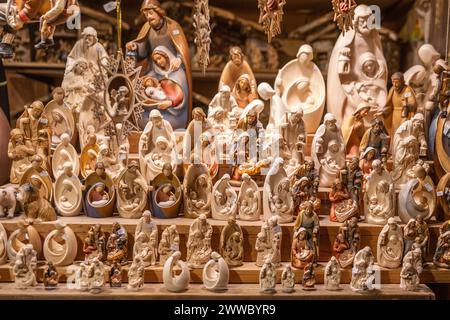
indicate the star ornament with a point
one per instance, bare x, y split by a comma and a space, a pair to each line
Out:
344, 11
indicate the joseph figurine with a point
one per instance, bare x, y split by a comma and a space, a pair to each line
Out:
160, 30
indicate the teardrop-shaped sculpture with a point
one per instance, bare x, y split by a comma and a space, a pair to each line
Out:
197, 188
167, 196
131, 192
443, 193
68, 193
100, 195
88, 159
65, 152
180, 282
224, 202
61, 122
443, 143
249, 200
60, 245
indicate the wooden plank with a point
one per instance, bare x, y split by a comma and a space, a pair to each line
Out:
248, 273
198, 292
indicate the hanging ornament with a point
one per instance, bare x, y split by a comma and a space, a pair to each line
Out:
344, 11
202, 32
270, 17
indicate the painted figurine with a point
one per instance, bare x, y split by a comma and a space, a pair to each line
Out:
34, 204
231, 243
301, 252
51, 276
166, 194
197, 189
94, 245
332, 275
441, 256
216, 273
115, 276
288, 279
307, 218
169, 243
340, 198
309, 277
347, 242
199, 242
376, 137
416, 235
267, 277
390, 245
117, 245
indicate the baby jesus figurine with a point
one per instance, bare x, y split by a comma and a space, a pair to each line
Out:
155, 92
99, 196
166, 196
249, 205
198, 203
120, 99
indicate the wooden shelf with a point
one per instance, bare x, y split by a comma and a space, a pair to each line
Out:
328, 231
198, 292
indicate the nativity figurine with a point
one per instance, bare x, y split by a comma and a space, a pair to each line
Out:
20, 151
332, 275
100, 193
117, 245
416, 235
199, 242
308, 219
197, 191
309, 277
390, 245
166, 194
25, 234
51, 276
267, 277
216, 274
288, 279
328, 150
301, 252
347, 242
224, 204
65, 152
68, 192
115, 276
231, 243
60, 245
25, 266
249, 199
131, 192
441, 257
173, 282
169, 243
94, 245
363, 273
136, 274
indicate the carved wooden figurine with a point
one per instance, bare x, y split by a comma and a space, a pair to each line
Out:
332, 275
117, 245
216, 273
65, 152
131, 192
390, 245
37, 172
267, 277
51, 276
166, 194
328, 150
172, 282
309, 277
34, 204
411, 270
342, 206
25, 267
268, 243
199, 242
197, 187
94, 245
347, 242
307, 218
441, 256
68, 192
20, 151
363, 272
25, 234
249, 200
224, 204
301, 252
115, 276
60, 245
416, 235
136, 274
231, 243
169, 243
99, 193
288, 279
8, 202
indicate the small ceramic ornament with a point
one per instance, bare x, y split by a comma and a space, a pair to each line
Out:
131, 192
308, 219
94, 245
180, 282
169, 243
25, 234
136, 274
328, 150
409, 144
418, 196
224, 204
277, 197
51, 276
409, 278
288, 279
332, 275
267, 277
99, 194
309, 277
390, 245
197, 189
363, 274
199, 242
8, 202
60, 245
115, 276
300, 84
166, 194
249, 200
68, 192
216, 273
231, 243
3, 245
301, 252
358, 70
347, 243
25, 267
20, 151
379, 198
117, 245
